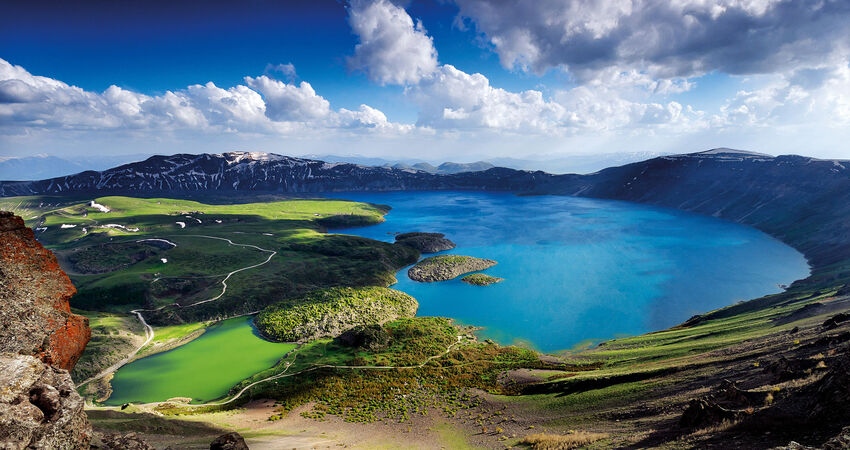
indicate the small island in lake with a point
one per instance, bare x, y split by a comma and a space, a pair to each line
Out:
425, 242
481, 279
447, 267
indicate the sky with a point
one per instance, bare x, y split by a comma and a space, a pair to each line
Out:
438, 79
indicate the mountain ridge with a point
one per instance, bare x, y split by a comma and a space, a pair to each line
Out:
797, 199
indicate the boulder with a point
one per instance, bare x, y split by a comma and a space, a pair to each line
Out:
703, 412
229, 441
39, 408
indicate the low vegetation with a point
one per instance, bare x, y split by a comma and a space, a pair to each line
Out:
447, 267
397, 389
329, 312
576, 439
481, 279
113, 336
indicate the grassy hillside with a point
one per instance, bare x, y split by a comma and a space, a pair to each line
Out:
150, 253
329, 312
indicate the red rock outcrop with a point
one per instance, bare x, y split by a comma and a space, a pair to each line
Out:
35, 316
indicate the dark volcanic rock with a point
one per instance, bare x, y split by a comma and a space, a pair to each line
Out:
836, 320
39, 407
425, 242
819, 406
229, 441
704, 412
35, 317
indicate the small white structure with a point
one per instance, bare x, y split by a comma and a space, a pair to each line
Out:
164, 260
99, 207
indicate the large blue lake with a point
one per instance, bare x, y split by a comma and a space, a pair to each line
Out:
581, 270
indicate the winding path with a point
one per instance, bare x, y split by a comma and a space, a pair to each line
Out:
149, 333
284, 374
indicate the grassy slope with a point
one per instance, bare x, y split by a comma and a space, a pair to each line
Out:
307, 258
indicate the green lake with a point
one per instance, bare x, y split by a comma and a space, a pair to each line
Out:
204, 369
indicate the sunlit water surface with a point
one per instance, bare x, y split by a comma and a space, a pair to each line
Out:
581, 270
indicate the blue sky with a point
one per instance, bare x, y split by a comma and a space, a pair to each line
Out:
460, 78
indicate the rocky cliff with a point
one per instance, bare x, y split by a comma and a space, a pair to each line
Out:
40, 340
35, 318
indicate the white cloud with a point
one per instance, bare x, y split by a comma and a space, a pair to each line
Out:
392, 49
820, 96
263, 105
665, 38
453, 99
288, 102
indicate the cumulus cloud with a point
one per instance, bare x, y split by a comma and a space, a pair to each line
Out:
262, 105
288, 102
666, 38
392, 49
453, 99
800, 98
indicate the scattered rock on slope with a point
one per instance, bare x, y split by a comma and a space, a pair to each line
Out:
229, 441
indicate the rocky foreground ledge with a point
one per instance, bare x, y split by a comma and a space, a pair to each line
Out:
40, 340
35, 317
447, 267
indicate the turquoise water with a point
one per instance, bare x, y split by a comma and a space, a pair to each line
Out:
578, 270
204, 369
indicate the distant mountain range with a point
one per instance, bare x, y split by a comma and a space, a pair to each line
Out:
254, 171
553, 164
801, 200
40, 167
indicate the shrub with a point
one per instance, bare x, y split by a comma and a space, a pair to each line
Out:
576, 439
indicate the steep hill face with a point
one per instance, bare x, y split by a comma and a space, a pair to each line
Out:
244, 171
802, 201
35, 317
